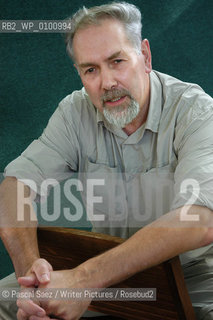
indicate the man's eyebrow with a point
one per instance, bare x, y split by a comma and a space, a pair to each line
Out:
114, 55
88, 64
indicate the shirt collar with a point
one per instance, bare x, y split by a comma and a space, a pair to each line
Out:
99, 117
155, 105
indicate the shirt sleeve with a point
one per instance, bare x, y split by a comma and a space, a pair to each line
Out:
193, 178
55, 154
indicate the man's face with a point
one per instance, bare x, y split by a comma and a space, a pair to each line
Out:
114, 75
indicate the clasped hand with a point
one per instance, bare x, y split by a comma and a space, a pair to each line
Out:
41, 276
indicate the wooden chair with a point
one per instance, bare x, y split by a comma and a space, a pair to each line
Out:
66, 248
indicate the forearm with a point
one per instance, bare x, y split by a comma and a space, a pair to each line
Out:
157, 242
20, 240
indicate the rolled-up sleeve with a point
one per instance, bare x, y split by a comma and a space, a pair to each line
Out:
193, 178
54, 155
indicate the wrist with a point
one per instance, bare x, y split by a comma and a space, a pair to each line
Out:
93, 272
21, 244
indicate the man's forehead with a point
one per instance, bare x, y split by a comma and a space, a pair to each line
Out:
100, 43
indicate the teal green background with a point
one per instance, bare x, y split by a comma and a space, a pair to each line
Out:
36, 73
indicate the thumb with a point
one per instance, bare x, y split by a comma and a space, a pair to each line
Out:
42, 270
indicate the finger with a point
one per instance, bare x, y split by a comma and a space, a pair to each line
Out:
21, 315
42, 269
27, 281
29, 307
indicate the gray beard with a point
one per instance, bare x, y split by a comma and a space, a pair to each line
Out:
122, 115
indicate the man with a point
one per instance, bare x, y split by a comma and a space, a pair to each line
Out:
130, 122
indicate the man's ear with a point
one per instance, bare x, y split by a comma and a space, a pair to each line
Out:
146, 52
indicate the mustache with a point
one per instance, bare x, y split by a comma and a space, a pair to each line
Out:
115, 93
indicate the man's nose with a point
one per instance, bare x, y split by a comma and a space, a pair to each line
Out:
108, 80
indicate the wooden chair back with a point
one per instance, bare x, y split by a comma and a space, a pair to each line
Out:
66, 248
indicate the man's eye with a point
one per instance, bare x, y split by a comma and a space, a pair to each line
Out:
90, 70
117, 61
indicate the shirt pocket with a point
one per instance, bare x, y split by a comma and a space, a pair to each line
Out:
104, 195
150, 195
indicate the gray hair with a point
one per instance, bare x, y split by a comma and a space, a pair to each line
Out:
126, 13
